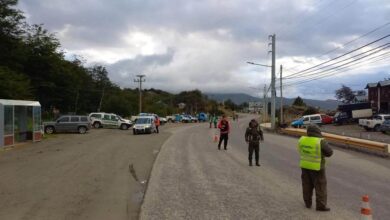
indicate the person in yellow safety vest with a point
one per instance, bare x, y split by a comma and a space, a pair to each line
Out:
313, 149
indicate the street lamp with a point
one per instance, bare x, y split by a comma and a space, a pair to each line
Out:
265, 101
257, 64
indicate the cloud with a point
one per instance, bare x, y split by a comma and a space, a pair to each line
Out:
205, 44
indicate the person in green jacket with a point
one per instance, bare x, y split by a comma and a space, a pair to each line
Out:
215, 120
313, 149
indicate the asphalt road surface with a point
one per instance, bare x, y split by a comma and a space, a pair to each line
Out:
191, 179
99, 175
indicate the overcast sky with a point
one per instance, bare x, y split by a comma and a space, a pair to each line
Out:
205, 44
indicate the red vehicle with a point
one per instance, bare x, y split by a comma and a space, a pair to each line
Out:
326, 119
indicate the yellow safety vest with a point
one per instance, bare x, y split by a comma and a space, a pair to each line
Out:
310, 151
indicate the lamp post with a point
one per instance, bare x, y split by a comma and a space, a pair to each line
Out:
265, 101
140, 80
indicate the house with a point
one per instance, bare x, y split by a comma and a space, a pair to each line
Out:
379, 96
255, 107
20, 121
360, 99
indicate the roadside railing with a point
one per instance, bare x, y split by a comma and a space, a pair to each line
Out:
348, 141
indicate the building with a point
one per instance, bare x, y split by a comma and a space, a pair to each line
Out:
255, 107
20, 121
379, 96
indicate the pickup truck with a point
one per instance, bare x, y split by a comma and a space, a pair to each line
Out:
374, 123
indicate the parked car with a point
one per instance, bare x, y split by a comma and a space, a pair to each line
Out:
326, 119
374, 123
193, 119
163, 120
68, 123
144, 124
185, 119
306, 120
109, 120
171, 118
385, 127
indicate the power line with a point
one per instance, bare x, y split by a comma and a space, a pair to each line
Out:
310, 68
349, 42
334, 72
329, 65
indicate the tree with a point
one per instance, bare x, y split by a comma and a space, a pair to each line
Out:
345, 94
14, 85
299, 102
310, 111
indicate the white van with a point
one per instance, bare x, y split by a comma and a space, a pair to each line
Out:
312, 119
144, 124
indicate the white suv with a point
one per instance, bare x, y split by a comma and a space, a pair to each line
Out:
108, 120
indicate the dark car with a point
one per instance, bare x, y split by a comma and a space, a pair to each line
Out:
68, 123
385, 127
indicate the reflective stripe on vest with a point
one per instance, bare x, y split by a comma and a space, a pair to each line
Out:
310, 151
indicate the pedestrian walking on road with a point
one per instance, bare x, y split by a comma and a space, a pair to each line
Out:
157, 123
215, 121
253, 136
211, 120
313, 149
224, 128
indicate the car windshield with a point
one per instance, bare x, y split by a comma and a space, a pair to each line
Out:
143, 121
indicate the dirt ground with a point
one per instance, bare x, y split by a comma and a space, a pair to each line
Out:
99, 175
356, 131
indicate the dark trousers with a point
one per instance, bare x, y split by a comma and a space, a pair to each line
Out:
254, 147
157, 129
224, 138
314, 180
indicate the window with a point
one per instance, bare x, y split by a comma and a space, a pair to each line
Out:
37, 118
305, 119
386, 117
106, 117
84, 119
96, 115
114, 118
377, 117
74, 119
64, 119
8, 120
315, 118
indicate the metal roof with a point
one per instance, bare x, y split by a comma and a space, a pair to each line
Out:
19, 102
384, 83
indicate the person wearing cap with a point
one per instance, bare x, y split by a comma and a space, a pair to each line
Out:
224, 128
253, 136
313, 149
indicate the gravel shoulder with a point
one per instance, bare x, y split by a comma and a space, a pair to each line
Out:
356, 131
100, 175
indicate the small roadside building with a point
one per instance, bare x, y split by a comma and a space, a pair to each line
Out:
20, 121
379, 96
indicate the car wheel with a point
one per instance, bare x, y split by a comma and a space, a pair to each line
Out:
366, 128
49, 130
96, 125
124, 127
376, 128
82, 130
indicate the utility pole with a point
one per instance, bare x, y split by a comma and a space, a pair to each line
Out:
265, 104
273, 90
281, 95
140, 80
101, 99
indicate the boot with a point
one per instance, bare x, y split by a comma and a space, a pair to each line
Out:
323, 209
250, 163
257, 163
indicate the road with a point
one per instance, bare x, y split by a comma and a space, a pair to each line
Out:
73, 176
191, 179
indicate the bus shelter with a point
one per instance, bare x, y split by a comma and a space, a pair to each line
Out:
20, 121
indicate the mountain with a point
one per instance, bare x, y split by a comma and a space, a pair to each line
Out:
240, 98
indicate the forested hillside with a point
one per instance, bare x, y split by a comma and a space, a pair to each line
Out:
33, 67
